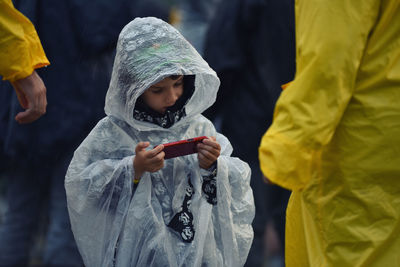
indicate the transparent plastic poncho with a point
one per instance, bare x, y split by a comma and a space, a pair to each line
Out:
116, 224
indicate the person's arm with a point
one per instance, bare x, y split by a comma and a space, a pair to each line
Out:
330, 37
21, 51
20, 54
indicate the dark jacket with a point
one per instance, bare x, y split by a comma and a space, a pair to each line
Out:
79, 38
250, 44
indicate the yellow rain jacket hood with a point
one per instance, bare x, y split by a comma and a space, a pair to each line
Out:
335, 139
20, 49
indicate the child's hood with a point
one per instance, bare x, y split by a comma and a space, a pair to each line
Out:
148, 51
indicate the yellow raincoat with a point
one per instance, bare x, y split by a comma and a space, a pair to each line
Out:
20, 49
335, 139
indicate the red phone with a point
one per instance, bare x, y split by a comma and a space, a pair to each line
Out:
182, 148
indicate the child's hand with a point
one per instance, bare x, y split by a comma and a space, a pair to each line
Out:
208, 152
147, 161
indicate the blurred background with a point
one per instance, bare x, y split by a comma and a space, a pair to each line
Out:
249, 43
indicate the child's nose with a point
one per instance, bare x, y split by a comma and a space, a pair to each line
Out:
172, 96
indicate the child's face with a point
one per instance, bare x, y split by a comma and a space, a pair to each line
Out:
163, 94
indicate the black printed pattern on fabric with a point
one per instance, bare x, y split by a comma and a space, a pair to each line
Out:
165, 121
182, 222
209, 186
142, 112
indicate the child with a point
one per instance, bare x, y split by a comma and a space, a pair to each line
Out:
131, 207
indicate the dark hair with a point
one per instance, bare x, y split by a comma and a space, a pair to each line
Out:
188, 89
175, 77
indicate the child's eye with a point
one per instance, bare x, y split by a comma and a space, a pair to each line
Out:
178, 84
156, 90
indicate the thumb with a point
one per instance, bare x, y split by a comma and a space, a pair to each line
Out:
141, 146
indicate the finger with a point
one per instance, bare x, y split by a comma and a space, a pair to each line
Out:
41, 102
141, 146
157, 165
209, 156
158, 157
212, 143
27, 116
204, 162
36, 107
155, 151
35, 93
21, 97
211, 149
206, 155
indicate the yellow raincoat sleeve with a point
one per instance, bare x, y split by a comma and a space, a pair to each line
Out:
20, 49
330, 40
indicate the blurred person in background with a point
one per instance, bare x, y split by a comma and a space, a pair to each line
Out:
251, 46
193, 20
335, 138
79, 38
